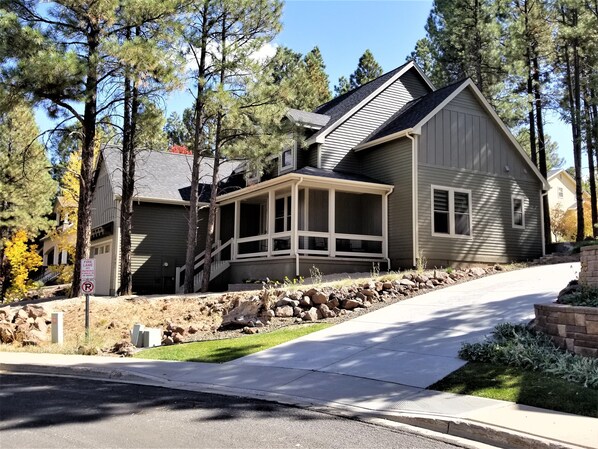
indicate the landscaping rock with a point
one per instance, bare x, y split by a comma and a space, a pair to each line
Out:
477, 271
305, 301
319, 298
350, 304
124, 348
286, 301
310, 315
7, 333
333, 303
34, 311
387, 286
407, 283
250, 330
167, 341
192, 329
284, 312
241, 315
177, 338
297, 311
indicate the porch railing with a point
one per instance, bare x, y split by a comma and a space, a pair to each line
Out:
218, 266
324, 244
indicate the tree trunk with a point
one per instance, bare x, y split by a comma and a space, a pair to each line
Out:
207, 266
131, 106
530, 93
197, 157
87, 178
541, 142
591, 168
577, 141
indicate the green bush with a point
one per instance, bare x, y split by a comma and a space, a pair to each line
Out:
516, 345
585, 296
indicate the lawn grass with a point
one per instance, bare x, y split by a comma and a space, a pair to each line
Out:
219, 351
521, 386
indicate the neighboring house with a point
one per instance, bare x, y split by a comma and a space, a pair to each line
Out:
391, 173
53, 244
562, 193
160, 217
562, 190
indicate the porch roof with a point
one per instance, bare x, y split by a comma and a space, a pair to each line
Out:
334, 178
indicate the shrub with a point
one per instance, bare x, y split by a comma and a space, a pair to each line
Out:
516, 345
586, 297
21, 260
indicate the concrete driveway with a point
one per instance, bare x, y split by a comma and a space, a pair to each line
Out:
415, 342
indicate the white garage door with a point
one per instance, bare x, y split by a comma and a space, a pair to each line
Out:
102, 255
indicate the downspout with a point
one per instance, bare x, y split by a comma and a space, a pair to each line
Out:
387, 229
296, 223
414, 190
542, 195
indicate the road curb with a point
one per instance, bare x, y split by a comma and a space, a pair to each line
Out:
455, 429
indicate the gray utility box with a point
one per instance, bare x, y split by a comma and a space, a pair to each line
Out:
152, 337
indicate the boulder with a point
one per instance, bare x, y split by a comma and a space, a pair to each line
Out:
34, 311
177, 338
242, 314
351, 304
379, 286
422, 279
250, 330
440, 275
124, 348
7, 333
305, 301
319, 298
311, 292
167, 341
387, 285
407, 283
284, 312
297, 311
286, 301
369, 293
310, 315
40, 325
477, 271
192, 329
333, 303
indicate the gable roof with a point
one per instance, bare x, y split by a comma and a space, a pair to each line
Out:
556, 171
344, 106
162, 176
456, 90
412, 113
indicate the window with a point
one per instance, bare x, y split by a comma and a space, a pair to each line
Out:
517, 211
560, 192
282, 214
287, 159
451, 212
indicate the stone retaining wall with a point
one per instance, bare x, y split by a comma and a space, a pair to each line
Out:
589, 266
570, 327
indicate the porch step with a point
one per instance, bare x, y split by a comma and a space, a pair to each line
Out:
217, 268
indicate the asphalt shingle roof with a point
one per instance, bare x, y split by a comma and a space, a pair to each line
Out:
161, 175
413, 112
331, 174
339, 106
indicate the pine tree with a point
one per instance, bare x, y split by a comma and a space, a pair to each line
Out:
26, 187
367, 70
342, 87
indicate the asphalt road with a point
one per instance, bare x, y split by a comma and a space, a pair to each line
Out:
60, 412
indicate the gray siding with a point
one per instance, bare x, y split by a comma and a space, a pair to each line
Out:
493, 237
160, 236
464, 136
103, 204
336, 151
313, 155
391, 163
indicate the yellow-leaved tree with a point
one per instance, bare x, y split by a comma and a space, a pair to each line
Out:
22, 259
563, 223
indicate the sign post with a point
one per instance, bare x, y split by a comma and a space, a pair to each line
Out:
88, 281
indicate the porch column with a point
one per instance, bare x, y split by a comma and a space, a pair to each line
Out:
271, 224
295, 219
385, 228
236, 230
331, 223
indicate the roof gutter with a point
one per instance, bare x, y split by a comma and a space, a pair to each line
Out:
414, 190
381, 140
148, 199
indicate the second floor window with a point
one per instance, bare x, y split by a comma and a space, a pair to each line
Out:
560, 193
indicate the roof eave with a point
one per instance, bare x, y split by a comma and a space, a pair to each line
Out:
381, 140
298, 176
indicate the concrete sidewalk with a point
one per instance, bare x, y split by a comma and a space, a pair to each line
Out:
375, 366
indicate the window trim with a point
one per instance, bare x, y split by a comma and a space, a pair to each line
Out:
513, 224
451, 203
284, 169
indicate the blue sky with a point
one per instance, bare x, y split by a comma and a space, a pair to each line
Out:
343, 30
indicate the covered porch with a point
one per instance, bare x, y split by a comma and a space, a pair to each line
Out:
303, 218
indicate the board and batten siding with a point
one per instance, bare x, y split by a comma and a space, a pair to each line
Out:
463, 147
103, 205
336, 150
391, 163
159, 236
463, 135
